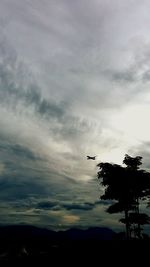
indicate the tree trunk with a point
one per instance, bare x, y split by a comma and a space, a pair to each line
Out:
139, 226
127, 225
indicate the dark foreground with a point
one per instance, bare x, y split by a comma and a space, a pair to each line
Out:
26, 244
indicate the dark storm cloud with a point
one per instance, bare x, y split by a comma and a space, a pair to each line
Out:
71, 206
80, 206
17, 151
103, 202
47, 205
67, 206
23, 176
30, 179
20, 175
12, 189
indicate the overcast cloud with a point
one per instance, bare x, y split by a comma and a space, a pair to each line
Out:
74, 80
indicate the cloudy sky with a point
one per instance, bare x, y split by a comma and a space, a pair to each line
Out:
74, 81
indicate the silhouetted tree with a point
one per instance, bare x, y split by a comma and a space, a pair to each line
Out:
140, 187
126, 186
136, 220
113, 177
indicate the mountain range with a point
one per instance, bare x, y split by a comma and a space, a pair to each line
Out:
23, 241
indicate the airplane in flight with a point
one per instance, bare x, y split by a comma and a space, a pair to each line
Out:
89, 157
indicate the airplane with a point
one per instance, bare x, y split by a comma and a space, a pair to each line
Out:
89, 157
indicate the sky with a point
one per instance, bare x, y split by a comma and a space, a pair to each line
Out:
74, 81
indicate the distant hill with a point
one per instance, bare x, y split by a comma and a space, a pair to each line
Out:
19, 241
96, 233
25, 232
